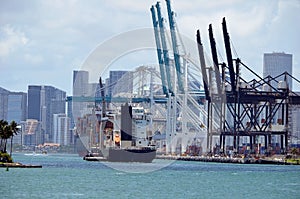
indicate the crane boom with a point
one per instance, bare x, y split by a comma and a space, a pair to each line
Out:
175, 46
229, 56
215, 58
203, 66
165, 48
159, 51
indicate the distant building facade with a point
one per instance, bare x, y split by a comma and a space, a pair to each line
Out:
17, 111
62, 134
31, 133
3, 103
276, 64
17, 107
13, 107
80, 89
119, 82
43, 102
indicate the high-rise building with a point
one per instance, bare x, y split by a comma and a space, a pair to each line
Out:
13, 107
3, 103
31, 131
80, 83
62, 134
17, 107
34, 102
118, 82
43, 102
274, 65
80, 89
17, 111
277, 63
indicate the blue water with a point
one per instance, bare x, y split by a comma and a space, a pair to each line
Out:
68, 176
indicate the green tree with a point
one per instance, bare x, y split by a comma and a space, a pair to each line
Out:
13, 131
4, 134
7, 131
294, 152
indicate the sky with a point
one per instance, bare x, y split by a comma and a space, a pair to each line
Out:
42, 42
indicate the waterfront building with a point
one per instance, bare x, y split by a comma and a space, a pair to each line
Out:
43, 102
32, 134
61, 132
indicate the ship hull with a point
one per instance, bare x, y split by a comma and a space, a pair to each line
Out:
145, 155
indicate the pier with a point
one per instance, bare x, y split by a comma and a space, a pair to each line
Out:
19, 165
235, 160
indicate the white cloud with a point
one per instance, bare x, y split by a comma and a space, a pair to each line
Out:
62, 33
33, 59
11, 39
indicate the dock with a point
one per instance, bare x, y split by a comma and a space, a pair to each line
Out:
235, 160
19, 165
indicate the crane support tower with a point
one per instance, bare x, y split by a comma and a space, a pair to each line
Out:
254, 114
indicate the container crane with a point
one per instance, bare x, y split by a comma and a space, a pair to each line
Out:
175, 47
165, 48
159, 52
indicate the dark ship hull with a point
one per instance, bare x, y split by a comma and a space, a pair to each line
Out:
145, 154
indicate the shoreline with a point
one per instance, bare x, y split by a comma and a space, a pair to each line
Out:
227, 160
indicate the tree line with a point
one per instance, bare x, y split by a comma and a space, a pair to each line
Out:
7, 131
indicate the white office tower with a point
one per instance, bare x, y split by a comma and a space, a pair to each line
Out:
277, 63
61, 130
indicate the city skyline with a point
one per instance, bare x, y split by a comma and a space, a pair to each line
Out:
44, 50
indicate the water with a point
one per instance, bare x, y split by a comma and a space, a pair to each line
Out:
68, 176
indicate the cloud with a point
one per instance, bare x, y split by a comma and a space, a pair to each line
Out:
33, 59
11, 40
63, 33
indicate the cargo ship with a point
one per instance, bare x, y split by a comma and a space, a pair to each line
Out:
122, 137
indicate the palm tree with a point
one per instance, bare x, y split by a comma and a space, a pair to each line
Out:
7, 135
14, 131
294, 152
3, 134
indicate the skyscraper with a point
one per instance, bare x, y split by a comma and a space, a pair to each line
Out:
119, 81
3, 103
13, 105
61, 132
80, 89
80, 83
17, 107
43, 102
276, 64
17, 111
